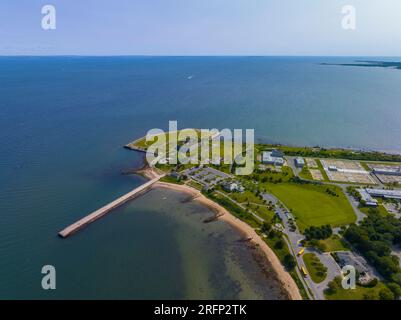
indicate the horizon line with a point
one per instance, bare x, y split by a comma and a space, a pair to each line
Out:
200, 55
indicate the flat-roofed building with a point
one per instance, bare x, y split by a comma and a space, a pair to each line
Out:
367, 198
386, 194
299, 162
232, 187
274, 157
396, 171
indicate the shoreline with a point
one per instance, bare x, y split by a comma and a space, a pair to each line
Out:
288, 284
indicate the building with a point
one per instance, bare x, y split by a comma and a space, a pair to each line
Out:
396, 171
348, 258
232, 187
277, 153
175, 175
367, 198
299, 162
332, 168
274, 157
386, 194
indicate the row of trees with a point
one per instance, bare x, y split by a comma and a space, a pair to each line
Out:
287, 260
341, 154
318, 233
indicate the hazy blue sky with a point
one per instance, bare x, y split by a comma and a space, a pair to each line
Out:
201, 27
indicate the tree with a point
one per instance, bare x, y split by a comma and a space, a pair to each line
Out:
332, 286
395, 289
289, 262
279, 244
272, 234
386, 294
265, 228
321, 246
370, 295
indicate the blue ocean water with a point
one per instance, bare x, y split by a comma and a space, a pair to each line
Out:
64, 120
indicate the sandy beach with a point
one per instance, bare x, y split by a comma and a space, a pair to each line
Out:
284, 277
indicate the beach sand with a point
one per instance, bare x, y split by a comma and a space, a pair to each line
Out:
283, 276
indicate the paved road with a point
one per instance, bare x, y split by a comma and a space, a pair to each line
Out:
294, 238
291, 164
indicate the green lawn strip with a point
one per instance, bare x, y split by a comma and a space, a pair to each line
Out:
195, 185
305, 174
336, 292
245, 197
320, 167
365, 166
313, 206
316, 269
171, 180
262, 211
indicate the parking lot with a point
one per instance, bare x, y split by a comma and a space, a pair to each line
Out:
207, 176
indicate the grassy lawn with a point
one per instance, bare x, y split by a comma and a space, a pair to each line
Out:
320, 167
271, 176
262, 211
313, 206
316, 269
171, 180
195, 185
359, 293
334, 243
246, 196
305, 174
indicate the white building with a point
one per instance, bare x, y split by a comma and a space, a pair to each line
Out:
232, 187
386, 194
299, 162
274, 157
396, 171
367, 198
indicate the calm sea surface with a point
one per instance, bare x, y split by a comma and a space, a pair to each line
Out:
63, 122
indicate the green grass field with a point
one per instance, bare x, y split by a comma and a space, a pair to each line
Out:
334, 243
317, 271
245, 197
262, 211
305, 174
359, 293
313, 206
